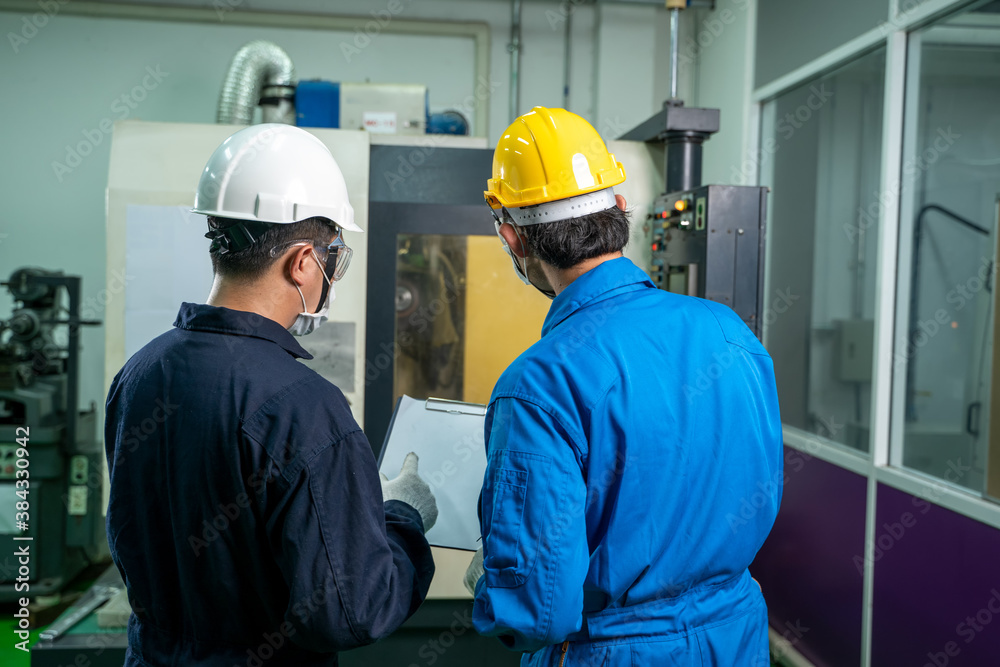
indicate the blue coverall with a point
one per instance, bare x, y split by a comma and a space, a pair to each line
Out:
246, 511
635, 468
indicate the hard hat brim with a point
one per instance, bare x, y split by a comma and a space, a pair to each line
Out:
348, 225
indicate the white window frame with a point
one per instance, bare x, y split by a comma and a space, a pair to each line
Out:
883, 464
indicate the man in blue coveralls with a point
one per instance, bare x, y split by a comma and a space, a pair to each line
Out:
246, 512
611, 509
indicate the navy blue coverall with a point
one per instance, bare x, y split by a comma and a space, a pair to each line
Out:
246, 511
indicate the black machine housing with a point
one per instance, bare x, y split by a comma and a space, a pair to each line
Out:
707, 241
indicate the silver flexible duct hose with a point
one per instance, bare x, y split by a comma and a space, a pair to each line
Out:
257, 64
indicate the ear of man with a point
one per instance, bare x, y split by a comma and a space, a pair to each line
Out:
300, 266
513, 240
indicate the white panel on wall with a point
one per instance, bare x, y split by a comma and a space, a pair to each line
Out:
167, 263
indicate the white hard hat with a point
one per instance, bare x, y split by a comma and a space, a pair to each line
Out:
274, 173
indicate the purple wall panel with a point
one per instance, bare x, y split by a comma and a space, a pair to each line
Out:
937, 586
806, 568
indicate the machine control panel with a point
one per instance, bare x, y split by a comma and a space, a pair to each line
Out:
709, 242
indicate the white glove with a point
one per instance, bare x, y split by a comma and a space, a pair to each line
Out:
474, 572
410, 489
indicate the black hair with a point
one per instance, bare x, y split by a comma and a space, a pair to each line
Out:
252, 262
566, 243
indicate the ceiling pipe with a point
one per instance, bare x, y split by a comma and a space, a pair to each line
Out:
567, 57
257, 65
515, 58
674, 37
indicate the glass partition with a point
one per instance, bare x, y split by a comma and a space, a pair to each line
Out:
948, 216
821, 152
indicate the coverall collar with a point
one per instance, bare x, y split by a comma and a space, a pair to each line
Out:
201, 317
615, 276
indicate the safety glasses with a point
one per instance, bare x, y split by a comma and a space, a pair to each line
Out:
335, 257
499, 214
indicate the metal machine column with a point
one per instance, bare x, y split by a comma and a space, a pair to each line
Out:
707, 241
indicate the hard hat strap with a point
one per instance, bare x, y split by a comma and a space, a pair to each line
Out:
237, 236
563, 209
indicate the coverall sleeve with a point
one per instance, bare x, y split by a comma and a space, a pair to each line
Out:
356, 568
535, 548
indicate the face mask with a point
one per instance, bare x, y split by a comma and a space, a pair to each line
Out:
529, 270
537, 277
305, 322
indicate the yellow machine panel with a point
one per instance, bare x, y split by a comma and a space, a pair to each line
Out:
503, 316
462, 315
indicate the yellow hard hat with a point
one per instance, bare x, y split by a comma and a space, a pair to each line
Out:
547, 155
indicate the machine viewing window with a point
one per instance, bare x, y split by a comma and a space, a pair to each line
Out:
946, 385
821, 151
462, 316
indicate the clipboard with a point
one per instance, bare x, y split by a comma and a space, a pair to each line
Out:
448, 436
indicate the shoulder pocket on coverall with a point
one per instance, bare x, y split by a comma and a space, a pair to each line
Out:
511, 547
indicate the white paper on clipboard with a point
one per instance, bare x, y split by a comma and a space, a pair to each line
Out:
449, 439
